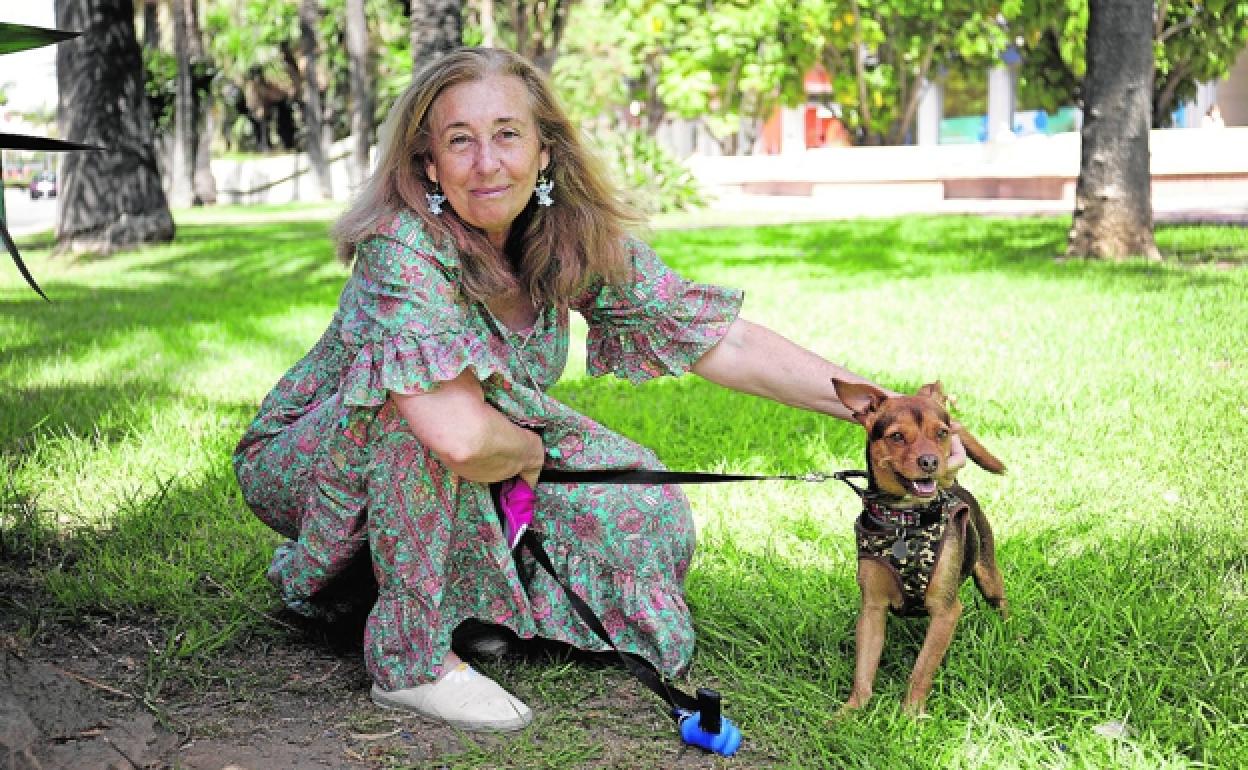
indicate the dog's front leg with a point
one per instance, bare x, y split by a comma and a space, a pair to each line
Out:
944, 621
878, 591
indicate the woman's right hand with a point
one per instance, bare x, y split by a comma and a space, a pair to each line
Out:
530, 477
533, 470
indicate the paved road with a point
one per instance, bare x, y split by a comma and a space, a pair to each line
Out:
25, 216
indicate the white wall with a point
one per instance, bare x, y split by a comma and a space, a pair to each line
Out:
280, 178
1233, 93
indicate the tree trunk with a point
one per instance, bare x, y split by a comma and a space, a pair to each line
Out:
204, 183
1113, 202
309, 17
911, 96
110, 199
151, 24
361, 91
860, 76
182, 162
539, 28
437, 27
1163, 100
489, 28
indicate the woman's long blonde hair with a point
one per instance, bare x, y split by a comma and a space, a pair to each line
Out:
564, 247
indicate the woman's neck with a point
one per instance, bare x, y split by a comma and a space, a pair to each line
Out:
515, 310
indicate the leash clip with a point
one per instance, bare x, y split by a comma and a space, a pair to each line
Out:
814, 477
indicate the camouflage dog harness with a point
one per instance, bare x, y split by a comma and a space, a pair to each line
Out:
908, 542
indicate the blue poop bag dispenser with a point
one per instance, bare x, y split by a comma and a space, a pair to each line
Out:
706, 728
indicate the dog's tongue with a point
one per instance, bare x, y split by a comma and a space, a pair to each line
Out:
925, 486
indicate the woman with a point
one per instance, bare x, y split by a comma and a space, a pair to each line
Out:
484, 223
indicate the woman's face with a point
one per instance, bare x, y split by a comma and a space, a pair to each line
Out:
486, 152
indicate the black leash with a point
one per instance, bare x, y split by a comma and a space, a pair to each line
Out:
638, 666
641, 476
699, 716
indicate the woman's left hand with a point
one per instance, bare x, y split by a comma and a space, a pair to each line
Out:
957, 454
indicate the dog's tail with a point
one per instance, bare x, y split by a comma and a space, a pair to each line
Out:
975, 450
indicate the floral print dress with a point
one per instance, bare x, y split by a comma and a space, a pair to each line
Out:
329, 462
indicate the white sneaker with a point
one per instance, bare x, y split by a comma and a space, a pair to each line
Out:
462, 698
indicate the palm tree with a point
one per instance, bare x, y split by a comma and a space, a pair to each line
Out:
313, 112
111, 198
362, 99
437, 27
182, 165
203, 73
14, 38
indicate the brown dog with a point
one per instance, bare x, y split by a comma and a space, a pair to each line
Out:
920, 533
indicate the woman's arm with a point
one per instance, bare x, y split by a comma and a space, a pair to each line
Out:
753, 359
468, 435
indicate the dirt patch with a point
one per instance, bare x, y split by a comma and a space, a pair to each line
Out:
91, 693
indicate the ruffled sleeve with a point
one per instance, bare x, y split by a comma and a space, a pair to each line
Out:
402, 317
656, 324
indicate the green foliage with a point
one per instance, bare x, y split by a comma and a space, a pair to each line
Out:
722, 63
246, 36
661, 183
254, 43
729, 64
878, 52
1196, 41
599, 60
736, 64
19, 37
14, 38
160, 83
391, 42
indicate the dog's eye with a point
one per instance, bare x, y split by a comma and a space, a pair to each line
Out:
942, 434
897, 437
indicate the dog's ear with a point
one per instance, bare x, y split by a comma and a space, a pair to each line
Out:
934, 391
859, 398
976, 451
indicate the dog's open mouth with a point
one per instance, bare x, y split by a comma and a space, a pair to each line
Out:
925, 487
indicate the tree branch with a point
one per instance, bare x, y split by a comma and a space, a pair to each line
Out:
1187, 23
864, 107
912, 101
1166, 99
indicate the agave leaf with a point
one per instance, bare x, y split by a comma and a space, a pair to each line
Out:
23, 142
17, 260
14, 38
19, 37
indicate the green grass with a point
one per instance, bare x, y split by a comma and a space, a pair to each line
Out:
1117, 394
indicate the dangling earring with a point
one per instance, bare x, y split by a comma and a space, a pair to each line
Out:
544, 187
435, 200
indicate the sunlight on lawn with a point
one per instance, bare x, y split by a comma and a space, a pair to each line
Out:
1116, 394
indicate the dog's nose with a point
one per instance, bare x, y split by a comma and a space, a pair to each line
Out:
929, 463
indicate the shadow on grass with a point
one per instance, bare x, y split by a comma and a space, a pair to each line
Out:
226, 285
1145, 625
906, 247
695, 425
1125, 629
877, 250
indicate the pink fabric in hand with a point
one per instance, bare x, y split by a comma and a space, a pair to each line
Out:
517, 501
